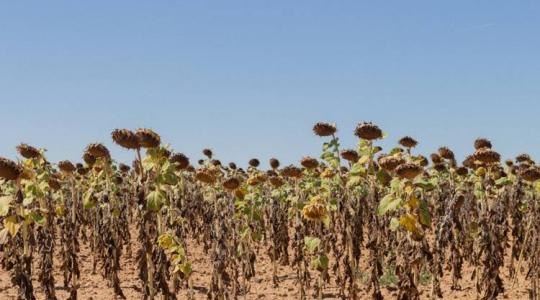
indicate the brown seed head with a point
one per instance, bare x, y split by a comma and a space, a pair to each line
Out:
324, 129
291, 171
274, 163
66, 166
28, 151
408, 142
98, 150
126, 138
9, 170
207, 152
148, 138
350, 155
446, 153
231, 183
368, 131
390, 162
408, 170
254, 162
180, 160
486, 155
480, 143
89, 159
309, 162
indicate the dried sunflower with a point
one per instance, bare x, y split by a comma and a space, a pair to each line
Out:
480, 143
28, 151
231, 183
148, 138
324, 129
446, 153
274, 163
98, 150
309, 163
487, 156
66, 166
180, 160
315, 209
390, 162
408, 170
368, 131
291, 171
530, 174
126, 138
350, 155
408, 142
254, 162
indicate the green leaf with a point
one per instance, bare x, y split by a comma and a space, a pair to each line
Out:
394, 224
320, 262
311, 243
4, 205
88, 199
503, 181
155, 200
425, 217
388, 203
424, 184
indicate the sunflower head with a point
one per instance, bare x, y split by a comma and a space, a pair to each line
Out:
350, 155
324, 129
180, 160
408, 142
368, 131
480, 143
126, 138
446, 153
309, 163
408, 170
486, 155
148, 138
98, 150
28, 151
9, 170
66, 166
231, 183
254, 162
274, 163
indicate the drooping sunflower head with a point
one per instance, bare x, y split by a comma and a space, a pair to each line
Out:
408, 170
28, 151
408, 142
324, 129
446, 153
148, 138
254, 162
274, 163
98, 150
66, 166
486, 155
309, 163
368, 131
350, 155
231, 183
480, 143
181, 160
126, 138
9, 170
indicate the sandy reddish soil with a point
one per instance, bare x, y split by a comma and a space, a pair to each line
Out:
93, 286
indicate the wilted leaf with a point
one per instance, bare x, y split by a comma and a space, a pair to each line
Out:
10, 223
408, 222
4, 205
388, 203
311, 243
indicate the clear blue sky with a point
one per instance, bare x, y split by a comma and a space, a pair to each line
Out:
249, 78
